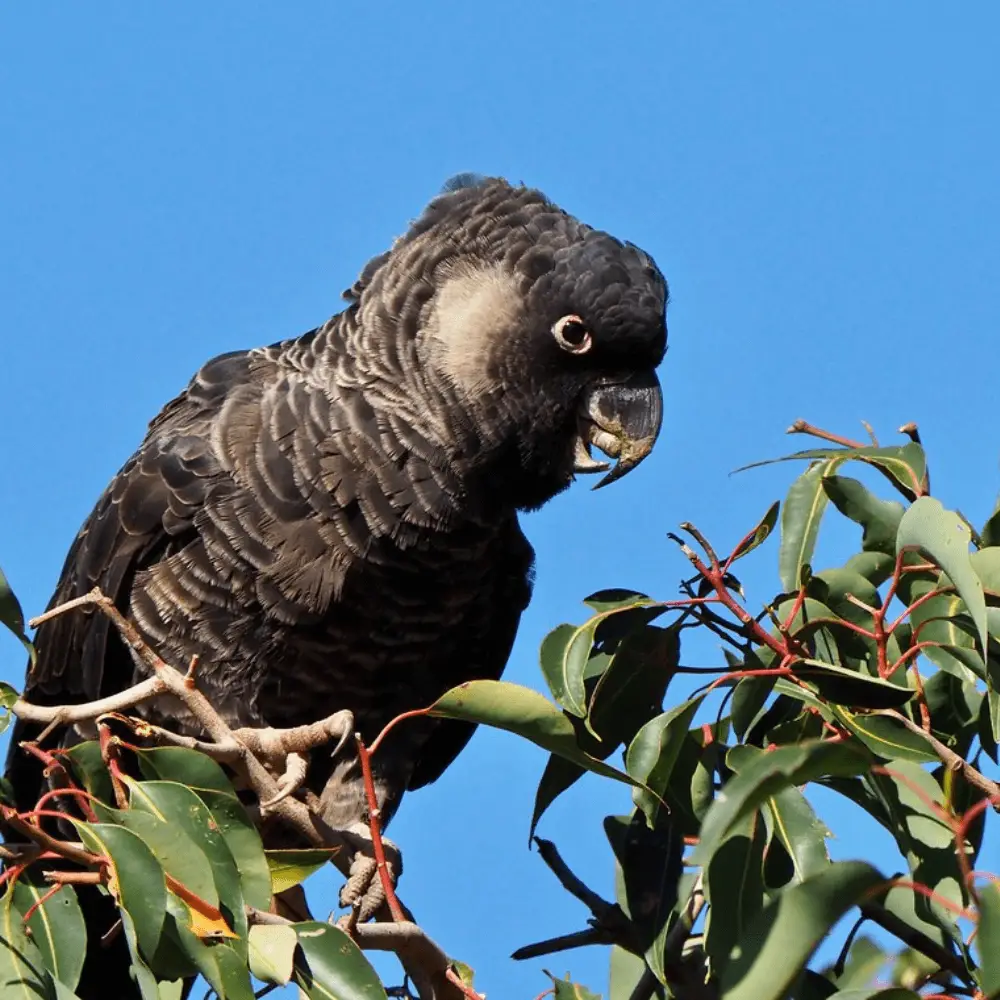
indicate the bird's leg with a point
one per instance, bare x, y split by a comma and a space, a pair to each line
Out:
363, 892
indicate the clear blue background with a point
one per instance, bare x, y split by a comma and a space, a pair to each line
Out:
818, 181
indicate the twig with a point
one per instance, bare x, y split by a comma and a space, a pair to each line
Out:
66, 715
597, 905
917, 940
647, 987
949, 758
680, 932
564, 942
608, 926
802, 427
64, 848
225, 752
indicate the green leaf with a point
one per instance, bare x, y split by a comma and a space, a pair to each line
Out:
180, 807
649, 877
990, 535
760, 533
172, 847
800, 831
944, 537
8, 699
222, 966
290, 867
904, 466
244, 844
734, 886
140, 886
143, 975
913, 804
566, 650
630, 690
626, 971
559, 775
875, 567
988, 728
207, 779
988, 940
615, 599
566, 989
771, 955
90, 769
849, 687
652, 754
936, 620
763, 775
272, 949
879, 518
800, 521
749, 698
188, 767
526, 713
864, 961
564, 655
12, 616
627, 693
57, 928
886, 737
22, 970
330, 966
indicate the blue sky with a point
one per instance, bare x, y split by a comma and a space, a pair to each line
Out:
818, 181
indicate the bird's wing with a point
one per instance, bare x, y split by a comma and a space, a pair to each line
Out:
486, 646
144, 515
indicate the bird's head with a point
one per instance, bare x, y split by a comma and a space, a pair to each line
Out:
543, 332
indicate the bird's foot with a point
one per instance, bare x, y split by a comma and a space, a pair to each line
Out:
364, 892
296, 766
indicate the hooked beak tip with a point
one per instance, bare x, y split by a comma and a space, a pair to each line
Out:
633, 452
623, 420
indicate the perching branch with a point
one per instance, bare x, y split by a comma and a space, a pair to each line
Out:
249, 752
424, 960
170, 680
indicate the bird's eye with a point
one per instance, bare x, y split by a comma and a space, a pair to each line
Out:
572, 335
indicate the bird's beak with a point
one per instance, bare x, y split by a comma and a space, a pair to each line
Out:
623, 420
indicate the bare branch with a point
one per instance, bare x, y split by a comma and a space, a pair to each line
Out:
597, 905
950, 759
425, 963
67, 715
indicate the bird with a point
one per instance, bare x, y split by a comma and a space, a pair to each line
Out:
332, 522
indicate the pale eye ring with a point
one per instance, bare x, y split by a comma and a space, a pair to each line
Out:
572, 335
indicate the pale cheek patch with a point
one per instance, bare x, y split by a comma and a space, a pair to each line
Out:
472, 316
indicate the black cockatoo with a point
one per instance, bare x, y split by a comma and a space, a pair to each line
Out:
331, 522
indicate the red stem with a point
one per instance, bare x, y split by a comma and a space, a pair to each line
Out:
376, 832
453, 977
109, 753
85, 798
389, 725
38, 902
